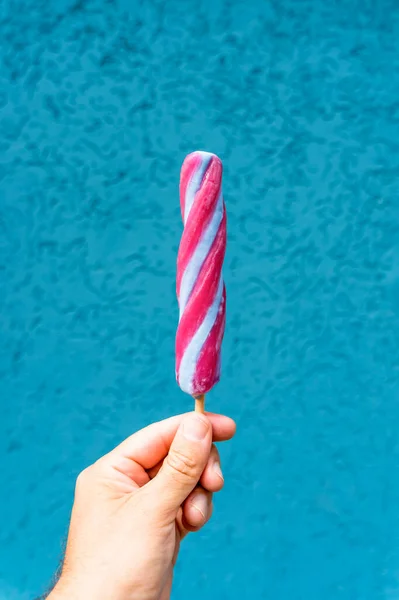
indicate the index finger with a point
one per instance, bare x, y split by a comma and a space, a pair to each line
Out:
150, 445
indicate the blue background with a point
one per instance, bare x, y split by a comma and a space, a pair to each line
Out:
99, 103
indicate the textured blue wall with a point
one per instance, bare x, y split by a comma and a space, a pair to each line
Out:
99, 103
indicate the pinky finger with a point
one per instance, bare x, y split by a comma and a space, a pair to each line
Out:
197, 509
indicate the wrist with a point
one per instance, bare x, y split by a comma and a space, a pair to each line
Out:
79, 590
67, 591
60, 592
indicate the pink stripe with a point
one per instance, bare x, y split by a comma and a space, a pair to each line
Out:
190, 164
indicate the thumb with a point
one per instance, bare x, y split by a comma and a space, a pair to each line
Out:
185, 462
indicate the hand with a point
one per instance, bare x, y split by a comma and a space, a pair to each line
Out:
134, 506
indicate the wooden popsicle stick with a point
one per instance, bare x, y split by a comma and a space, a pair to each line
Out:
200, 403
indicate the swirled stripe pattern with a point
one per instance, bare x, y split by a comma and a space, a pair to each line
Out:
200, 288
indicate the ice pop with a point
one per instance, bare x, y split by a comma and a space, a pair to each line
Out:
200, 288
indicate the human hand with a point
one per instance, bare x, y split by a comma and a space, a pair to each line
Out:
133, 507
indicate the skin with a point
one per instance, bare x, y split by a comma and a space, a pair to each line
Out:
134, 506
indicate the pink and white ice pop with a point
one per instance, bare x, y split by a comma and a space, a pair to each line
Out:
200, 288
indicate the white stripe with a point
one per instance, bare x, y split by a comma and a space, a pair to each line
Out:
195, 182
199, 255
190, 357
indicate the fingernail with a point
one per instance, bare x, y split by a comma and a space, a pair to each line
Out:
195, 428
200, 502
218, 470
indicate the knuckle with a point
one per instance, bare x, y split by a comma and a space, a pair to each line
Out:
214, 451
182, 464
